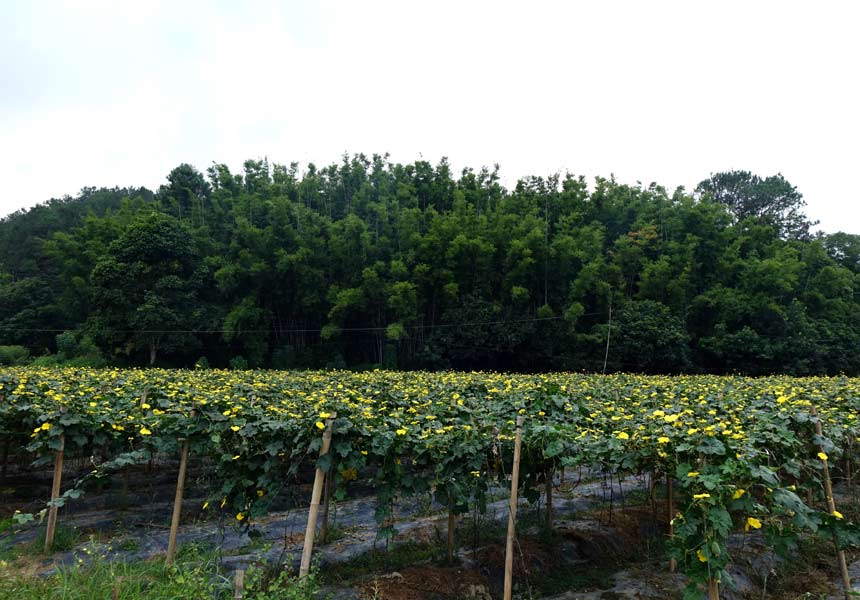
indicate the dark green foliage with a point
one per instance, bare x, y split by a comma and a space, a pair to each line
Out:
369, 263
13, 355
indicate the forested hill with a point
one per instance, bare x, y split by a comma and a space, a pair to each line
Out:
412, 266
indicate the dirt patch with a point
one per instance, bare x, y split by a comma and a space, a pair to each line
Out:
623, 539
530, 557
425, 583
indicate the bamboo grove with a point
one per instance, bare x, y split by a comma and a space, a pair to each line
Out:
413, 266
743, 454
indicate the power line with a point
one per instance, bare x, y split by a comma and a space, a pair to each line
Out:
287, 330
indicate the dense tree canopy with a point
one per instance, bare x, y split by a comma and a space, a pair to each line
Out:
368, 262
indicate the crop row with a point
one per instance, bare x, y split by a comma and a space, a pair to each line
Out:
741, 453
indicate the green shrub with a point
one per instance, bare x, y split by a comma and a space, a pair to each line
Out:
13, 355
283, 585
238, 363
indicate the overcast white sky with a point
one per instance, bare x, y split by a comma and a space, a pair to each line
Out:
104, 93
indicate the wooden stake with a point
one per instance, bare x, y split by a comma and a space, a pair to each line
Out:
319, 478
512, 512
177, 504
452, 523
713, 589
238, 584
55, 493
670, 510
177, 500
329, 482
831, 506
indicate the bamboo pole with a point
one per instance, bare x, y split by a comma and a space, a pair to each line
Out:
831, 506
55, 493
177, 504
670, 514
329, 482
713, 589
512, 512
452, 522
319, 478
239, 584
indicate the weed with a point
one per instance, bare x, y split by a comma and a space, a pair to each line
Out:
194, 576
374, 561
282, 585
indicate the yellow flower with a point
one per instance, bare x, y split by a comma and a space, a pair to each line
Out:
701, 556
235, 428
364, 452
752, 522
693, 474
738, 493
475, 473
324, 415
205, 505
320, 425
701, 496
662, 440
671, 418
822, 456
400, 431
623, 436
541, 413
45, 426
658, 413
692, 431
838, 514
240, 517
145, 406
145, 431
260, 493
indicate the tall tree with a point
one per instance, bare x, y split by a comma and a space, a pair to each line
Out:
145, 290
771, 200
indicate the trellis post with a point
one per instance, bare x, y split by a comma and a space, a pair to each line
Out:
831, 505
512, 512
55, 493
319, 479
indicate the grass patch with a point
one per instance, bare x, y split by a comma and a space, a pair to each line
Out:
580, 578
377, 561
6, 525
65, 538
810, 569
128, 544
334, 534
194, 575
